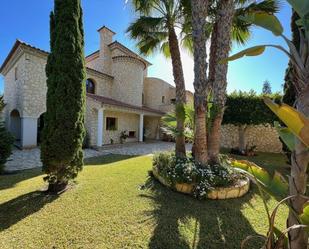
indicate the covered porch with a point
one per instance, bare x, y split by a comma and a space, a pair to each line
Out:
107, 118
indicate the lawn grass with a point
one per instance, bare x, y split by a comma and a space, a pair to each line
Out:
106, 209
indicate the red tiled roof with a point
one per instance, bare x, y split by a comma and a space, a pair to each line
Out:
114, 102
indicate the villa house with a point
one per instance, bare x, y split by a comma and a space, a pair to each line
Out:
120, 96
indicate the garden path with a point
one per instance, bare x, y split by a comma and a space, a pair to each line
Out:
28, 159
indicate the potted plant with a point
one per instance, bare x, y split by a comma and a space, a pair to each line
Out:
123, 136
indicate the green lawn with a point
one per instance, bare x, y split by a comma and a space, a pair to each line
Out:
106, 209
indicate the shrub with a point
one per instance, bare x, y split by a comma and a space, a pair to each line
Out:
6, 142
248, 108
186, 170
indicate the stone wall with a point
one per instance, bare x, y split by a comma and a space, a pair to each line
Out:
103, 84
154, 90
35, 87
152, 127
264, 137
13, 95
128, 81
125, 122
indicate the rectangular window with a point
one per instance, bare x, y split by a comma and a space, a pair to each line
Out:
131, 134
111, 124
173, 101
16, 73
163, 99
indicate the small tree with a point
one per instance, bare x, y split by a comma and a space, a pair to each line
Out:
63, 133
266, 88
6, 140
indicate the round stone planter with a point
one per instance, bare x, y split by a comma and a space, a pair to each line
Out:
236, 191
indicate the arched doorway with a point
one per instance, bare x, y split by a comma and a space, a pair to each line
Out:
40, 128
15, 124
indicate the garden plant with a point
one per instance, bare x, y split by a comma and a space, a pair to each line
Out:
299, 59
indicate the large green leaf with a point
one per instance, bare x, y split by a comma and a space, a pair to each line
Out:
300, 6
266, 21
274, 184
253, 51
286, 135
304, 217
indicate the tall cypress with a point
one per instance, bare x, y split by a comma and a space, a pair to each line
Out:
63, 133
289, 92
289, 89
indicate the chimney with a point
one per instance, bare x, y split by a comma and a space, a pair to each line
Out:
106, 38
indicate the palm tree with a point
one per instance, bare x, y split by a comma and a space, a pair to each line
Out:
199, 38
227, 27
155, 28
169, 123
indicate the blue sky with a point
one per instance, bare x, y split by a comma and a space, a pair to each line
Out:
30, 23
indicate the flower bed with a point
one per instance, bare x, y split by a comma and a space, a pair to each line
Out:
188, 177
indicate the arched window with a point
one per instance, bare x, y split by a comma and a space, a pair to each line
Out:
90, 86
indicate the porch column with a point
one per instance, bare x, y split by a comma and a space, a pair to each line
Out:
100, 127
29, 130
141, 127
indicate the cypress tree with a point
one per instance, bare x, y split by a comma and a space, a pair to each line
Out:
289, 89
289, 95
63, 133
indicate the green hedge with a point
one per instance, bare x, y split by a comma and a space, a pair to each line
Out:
248, 108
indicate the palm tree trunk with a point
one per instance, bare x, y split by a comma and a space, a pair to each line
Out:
199, 13
220, 48
214, 138
298, 239
180, 91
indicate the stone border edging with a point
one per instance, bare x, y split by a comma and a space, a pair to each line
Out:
239, 190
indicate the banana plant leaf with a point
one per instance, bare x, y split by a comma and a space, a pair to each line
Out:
286, 135
300, 6
253, 51
274, 184
304, 217
266, 21
297, 123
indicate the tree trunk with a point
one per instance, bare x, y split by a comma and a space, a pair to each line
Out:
199, 13
200, 137
214, 140
220, 48
242, 137
298, 239
180, 92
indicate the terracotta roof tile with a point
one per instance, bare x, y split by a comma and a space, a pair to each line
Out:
109, 101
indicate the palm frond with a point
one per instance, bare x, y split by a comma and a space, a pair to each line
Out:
266, 6
241, 29
150, 32
144, 6
165, 49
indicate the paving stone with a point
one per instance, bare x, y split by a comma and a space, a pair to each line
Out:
28, 159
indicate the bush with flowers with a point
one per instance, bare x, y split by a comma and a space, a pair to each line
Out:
185, 170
